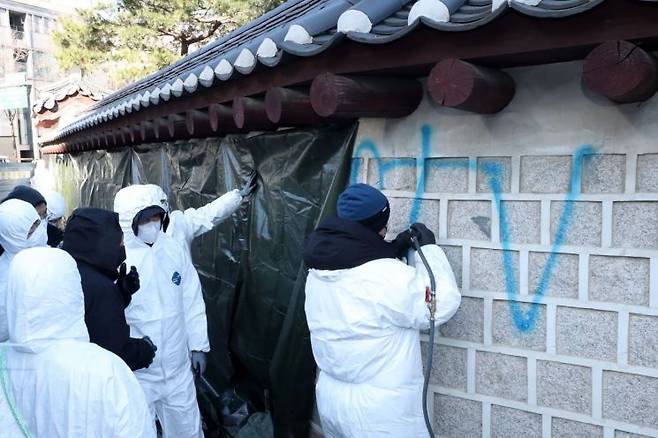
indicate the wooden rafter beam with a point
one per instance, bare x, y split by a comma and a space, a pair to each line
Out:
290, 107
344, 97
249, 114
458, 84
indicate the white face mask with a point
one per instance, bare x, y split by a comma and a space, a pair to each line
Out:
149, 232
40, 236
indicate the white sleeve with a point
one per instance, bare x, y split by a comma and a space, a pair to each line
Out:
409, 309
448, 296
194, 308
203, 219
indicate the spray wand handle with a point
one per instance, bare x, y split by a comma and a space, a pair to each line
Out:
431, 302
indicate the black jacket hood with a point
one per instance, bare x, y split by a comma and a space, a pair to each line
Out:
93, 236
27, 194
342, 244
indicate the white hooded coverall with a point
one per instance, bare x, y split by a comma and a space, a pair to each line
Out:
168, 308
54, 382
16, 219
364, 325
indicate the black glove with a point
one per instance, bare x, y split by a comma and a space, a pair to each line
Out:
128, 283
55, 235
250, 187
153, 349
402, 243
424, 235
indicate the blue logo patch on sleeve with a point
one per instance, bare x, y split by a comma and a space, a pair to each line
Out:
176, 278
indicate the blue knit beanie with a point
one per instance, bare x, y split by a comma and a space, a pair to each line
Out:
364, 204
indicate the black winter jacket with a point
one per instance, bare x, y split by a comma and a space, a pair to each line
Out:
94, 239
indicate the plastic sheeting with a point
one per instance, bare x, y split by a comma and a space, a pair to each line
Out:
250, 266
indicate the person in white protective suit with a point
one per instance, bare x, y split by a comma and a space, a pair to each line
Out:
365, 308
18, 223
55, 383
168, 307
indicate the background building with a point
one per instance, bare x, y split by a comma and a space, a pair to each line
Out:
27, 63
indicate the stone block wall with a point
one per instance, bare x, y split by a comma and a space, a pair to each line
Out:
548, 213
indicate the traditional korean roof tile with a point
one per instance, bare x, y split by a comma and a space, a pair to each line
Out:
47, 98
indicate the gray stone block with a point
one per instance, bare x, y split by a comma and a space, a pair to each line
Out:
563, 278
468, 322
457, 417
506, 332
564, 386
523, 220
562, 428
448, 365
622, 434
643, 341
501, 375
630, 398
454, 256
508, 422
587, 333
446, 175
488, 267
401, 212
399, 174
619, 279
545, 174
604, 173
584, 225
634, 224
494, 173
647, 173
469, 220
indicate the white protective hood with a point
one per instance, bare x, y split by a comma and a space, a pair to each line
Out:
56, 204
16, 219
131, 200
44, 304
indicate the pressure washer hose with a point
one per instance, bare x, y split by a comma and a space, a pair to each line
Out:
430, 350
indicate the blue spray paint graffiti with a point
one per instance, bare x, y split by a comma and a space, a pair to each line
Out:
524, 321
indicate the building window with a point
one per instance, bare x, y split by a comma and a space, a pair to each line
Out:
17, 24
17, 21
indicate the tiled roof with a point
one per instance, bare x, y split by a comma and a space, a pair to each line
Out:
47, 98
305, 28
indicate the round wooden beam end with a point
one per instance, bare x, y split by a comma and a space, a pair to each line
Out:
621, 71
324, 94
458, 84
274, 104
